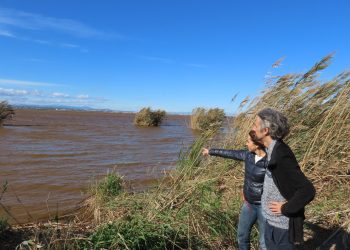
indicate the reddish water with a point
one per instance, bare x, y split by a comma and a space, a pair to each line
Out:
49, 157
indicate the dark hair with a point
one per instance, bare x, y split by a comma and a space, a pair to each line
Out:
255, 139
275, 121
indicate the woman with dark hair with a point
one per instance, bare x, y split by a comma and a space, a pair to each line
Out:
255, 167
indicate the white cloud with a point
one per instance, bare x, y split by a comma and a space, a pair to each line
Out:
19, 92
13, 92
26, 83
6, 33
73, 46
9, 34
36, 93
83, 96
20, 96
38, 41
13, 21
56, 94
44, 42
32, 21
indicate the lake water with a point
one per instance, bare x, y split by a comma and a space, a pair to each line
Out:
48, 157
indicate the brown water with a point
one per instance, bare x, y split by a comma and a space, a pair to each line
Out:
50, 157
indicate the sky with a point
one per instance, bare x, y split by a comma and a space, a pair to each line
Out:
171, 55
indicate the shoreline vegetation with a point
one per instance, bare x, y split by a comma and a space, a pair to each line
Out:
149, 118
196, 205
6, 111
207, 119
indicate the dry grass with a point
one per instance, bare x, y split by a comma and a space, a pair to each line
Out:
6, 111
148, 118
207, 119
319, 114
196, 206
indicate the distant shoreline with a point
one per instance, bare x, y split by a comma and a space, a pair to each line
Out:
84, 109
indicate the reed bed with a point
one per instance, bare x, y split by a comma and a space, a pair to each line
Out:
207, 119
196, 206
6, 111
149, 118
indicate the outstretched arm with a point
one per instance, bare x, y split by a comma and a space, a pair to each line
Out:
226, 153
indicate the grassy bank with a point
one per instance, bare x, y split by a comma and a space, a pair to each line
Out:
197, 205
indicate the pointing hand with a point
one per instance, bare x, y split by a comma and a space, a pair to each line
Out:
205, 152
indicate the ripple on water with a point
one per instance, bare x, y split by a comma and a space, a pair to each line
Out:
51, 156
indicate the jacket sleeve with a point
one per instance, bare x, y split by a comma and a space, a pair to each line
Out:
231, 154
304, 191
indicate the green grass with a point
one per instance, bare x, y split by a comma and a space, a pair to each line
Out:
108, 187
138, 232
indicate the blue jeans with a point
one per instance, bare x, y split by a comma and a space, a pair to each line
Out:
250, 213
277, 238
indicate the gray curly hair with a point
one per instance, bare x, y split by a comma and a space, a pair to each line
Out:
276, 122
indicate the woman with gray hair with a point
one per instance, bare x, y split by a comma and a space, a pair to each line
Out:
286, 189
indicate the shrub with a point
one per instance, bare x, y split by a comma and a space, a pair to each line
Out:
146, 117
110, 186
140, 233
6, 111
211, 119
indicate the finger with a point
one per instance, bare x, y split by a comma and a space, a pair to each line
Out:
274, 210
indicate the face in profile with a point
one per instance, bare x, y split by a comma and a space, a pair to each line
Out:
257, 128
251, 145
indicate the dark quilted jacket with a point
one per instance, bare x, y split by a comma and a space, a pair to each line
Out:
253, 175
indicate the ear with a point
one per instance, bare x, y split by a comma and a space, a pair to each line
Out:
266, 131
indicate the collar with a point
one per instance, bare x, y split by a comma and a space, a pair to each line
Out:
269, 149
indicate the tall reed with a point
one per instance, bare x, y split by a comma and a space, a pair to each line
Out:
196, 206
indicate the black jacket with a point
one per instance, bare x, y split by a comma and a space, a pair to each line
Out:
293, 186
254, 173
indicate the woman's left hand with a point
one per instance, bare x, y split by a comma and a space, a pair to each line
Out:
276, 207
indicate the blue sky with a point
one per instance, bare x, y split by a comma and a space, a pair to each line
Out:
173, 55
